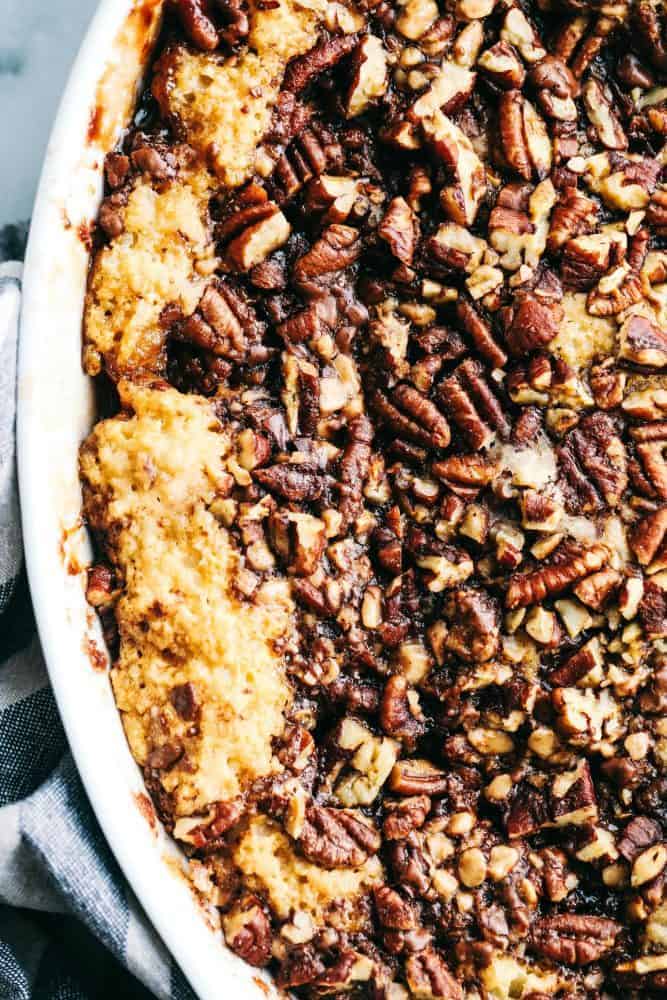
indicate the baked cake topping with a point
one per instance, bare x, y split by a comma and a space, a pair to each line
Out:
378, 310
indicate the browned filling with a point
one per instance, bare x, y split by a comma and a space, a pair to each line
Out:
384, 385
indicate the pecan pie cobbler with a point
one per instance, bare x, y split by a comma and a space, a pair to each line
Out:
378, 315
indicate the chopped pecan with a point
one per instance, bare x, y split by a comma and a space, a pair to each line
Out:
236, 24
528, 812
320, 317
197, 25
530, 324
474, 632
428, 976
519, 32
337, 248
558, 879
165, 756
150, 160
111, 215
573, 564
575, 938
259, 239
607, 385
647, 22
400, 715
643, 342
393, 910
417, 777
595, 590
594, 463
100, 585
528, 425
185, 700
337, 838
354, 466
640, 833
573, 215
302, 70
248, 931
648, 535
299, 539
370, 75
555, 87
623, 181
501, 63
116, 169
651, 442
599, 108
399, 230
294, 482
302, 965
585, 260
405, 815
656, 213
461, 199
454, 247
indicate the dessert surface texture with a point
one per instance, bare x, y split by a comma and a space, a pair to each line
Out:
377, 315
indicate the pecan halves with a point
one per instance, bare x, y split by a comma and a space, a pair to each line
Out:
418, 418
302, 70
532, 588
650, 446
481, 334
472, 405
424, 413
525, 142
337, 838
602, 115
575, 938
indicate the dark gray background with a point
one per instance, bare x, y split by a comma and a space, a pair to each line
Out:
38, 41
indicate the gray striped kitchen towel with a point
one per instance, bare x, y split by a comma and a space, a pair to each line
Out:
70, 927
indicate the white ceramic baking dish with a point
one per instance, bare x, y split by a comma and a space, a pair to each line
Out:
56, 411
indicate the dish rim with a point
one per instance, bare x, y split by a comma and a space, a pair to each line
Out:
55, 543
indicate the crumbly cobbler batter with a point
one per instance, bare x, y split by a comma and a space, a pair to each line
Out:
378, 313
